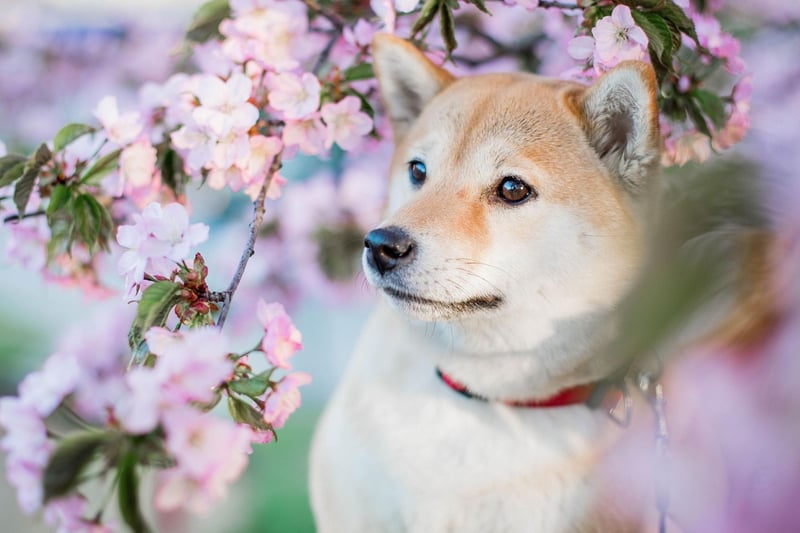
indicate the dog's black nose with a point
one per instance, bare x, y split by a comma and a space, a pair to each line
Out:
389, 248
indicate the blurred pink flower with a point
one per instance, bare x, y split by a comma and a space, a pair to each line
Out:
120, 129
345, 123
718, 42
44, 390
27, 243
224, 106
191, 364
618, 38
308, 135
294, 96
137, 165
66, 514
282, 339
284, 399
139, 409
581, 48
211, 453
27, 450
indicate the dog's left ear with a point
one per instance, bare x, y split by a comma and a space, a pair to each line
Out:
620, 116
408, 80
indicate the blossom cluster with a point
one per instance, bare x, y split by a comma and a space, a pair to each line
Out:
158, 412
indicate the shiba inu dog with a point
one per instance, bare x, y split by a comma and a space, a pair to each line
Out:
517, 220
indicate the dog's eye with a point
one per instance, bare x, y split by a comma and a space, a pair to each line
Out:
513, 190
417, 173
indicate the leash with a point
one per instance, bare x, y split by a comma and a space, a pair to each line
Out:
613, 396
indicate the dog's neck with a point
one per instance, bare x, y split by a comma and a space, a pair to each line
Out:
503, 356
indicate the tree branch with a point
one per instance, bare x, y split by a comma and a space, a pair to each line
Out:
258, 217
17, 218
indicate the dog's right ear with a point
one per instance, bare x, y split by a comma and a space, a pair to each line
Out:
407, 79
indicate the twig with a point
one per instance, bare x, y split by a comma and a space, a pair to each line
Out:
249, 250
17, 218
323, 56
558, 5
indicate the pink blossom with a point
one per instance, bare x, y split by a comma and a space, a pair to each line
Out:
718, 42
282, 338
308, 135
295, 96
158, 238
211, 453
275, 188
193, 364
66, 514
197, 143
345, 123
284, 399
618, 38
27, 448
27, 243
45, 389
140, 408
581, 48
275, 34
224, 105
120, 129
137, 164
360, 35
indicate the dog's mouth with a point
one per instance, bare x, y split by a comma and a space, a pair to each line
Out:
471, 305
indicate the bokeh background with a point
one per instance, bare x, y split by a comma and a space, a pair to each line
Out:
58, 58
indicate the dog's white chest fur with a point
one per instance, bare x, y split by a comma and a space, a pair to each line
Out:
399, 451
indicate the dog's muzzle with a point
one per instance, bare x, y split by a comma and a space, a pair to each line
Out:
389, 248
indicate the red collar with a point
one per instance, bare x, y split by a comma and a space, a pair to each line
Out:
577, 395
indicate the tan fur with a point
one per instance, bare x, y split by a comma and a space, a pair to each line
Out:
397, 450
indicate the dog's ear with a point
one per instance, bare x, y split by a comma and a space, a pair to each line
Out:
407, 79
620, 116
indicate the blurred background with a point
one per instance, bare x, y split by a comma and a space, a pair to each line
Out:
58, 58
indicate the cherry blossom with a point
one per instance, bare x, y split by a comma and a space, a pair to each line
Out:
308, 135
284, 399
159, 237
224, 105
137, 166
345, 123
618, 38
43, 390
282, 338
211, 454
121, 129
294, 96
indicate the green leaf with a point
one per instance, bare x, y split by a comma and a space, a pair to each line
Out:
429, 9
59, 197
70, 458
245, 414
696, 116
362, 71
101, 167
253, 387
207, 18
128, 494
70, 133
41, 157
157, 301
24, 188
447, 25
480, 5
658, 34
87, 221
711, 105
171, 165
11, 168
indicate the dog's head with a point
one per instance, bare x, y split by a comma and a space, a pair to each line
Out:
512, 194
